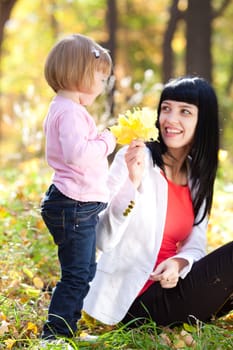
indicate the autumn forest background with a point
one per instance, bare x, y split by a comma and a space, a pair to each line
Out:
150, 42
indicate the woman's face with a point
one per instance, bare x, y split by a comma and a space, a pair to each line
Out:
178, 122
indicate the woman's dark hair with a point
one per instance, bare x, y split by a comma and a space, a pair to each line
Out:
204, 151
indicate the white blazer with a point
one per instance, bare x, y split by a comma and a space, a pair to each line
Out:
130, 244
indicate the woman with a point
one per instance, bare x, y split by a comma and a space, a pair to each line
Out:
153, 232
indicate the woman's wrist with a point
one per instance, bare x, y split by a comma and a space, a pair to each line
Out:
181, 263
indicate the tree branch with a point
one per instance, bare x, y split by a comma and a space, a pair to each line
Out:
5, 10
221, 9
175, 16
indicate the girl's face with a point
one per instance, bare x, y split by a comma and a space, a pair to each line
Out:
100, 80
178, 122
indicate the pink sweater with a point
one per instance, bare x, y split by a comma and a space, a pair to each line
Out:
76, 151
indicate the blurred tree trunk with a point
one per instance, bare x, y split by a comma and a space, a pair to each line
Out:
6, 7
216, 13
168, 59
198, 17
111, 24
198, 50
5, 10
53, 21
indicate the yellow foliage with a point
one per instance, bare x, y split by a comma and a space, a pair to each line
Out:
38, 283
222, 155
2, 316
29, 166
136, 124
32, 327
88, 320
9, 343
28, 272
32, 292
229, 317
40, 224
3, 212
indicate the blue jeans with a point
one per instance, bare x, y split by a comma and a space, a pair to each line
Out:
72, 225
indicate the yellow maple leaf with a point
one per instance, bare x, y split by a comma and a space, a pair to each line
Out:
32, 327
9, 343
136, 124
2, 316
28, 272
38, 283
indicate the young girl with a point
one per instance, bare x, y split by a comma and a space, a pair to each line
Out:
76, 69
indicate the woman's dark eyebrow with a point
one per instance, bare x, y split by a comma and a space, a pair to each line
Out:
184, 104
188, 105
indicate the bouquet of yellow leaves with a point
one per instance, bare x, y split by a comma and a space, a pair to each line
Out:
136, 124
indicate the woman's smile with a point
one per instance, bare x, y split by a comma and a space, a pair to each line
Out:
170, 131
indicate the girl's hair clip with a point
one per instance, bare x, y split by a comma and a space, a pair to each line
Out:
96, 53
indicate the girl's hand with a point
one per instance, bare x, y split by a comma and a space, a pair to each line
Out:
167, 272
135, 160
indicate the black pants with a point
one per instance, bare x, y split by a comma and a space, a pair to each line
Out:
205, 292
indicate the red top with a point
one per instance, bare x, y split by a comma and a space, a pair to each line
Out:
178, 224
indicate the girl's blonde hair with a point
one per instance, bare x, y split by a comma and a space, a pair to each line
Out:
72, 62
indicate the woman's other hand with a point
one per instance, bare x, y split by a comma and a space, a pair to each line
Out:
135, 160
167, 272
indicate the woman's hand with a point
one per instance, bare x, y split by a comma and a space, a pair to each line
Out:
135, 160
167, 272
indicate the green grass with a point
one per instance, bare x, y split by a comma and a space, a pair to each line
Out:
29, 270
